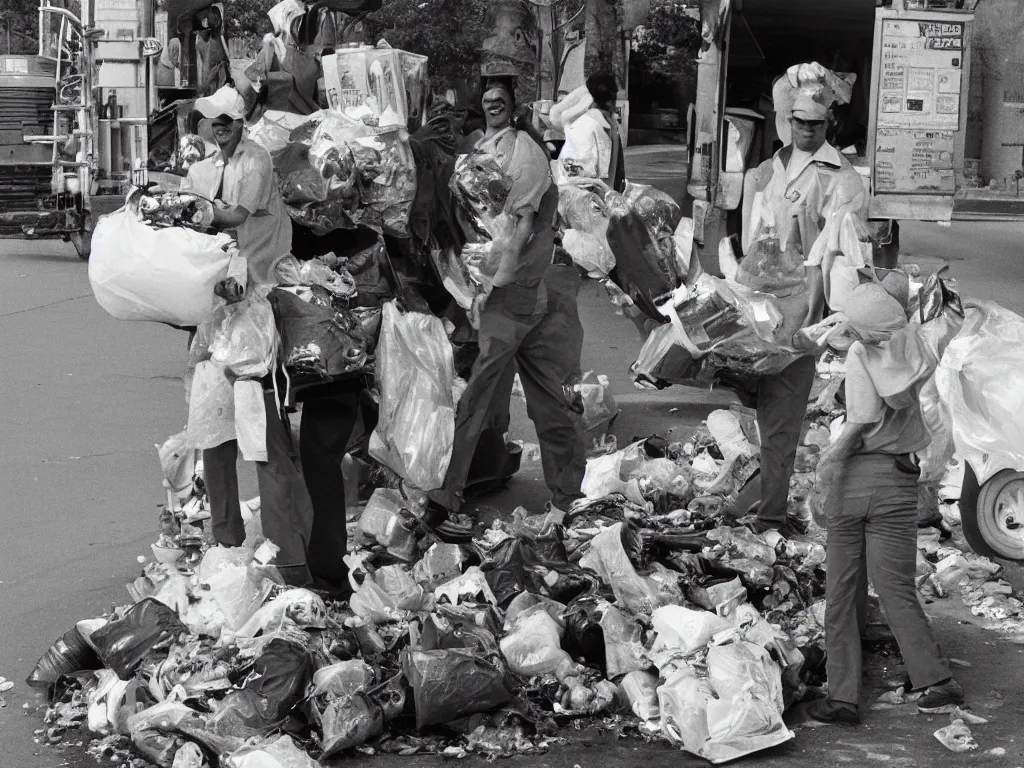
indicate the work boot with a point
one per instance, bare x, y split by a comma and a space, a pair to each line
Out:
941, 698
833, 712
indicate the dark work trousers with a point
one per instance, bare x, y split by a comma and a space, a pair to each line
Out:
545, 347
872, 532
286, 512
324, 432
781, 406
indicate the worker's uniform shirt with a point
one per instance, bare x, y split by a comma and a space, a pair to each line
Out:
804, 197
247, 180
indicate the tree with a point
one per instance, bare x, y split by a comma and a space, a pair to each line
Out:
668, 43
247, 18
604, 39
449, 32
19, 26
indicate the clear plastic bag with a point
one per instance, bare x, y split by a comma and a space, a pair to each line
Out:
211, 411
533, 643
178, 463
481, 188
244, 343
978, 381
279, 752
682, 630
234, 584
415, 371
164, 276
608, 559
588, 251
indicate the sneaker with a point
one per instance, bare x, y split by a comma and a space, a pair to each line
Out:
828, 711
941, 699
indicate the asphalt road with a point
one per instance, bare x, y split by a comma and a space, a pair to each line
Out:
86, 397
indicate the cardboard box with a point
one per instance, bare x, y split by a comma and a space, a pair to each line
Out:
376, 85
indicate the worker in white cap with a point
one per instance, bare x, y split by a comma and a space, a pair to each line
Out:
239, 178
789, 201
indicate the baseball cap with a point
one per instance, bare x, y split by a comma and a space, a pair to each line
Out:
226, 102
806, 107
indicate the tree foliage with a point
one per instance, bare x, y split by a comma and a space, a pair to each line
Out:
448, 31
21, 18
247, 18
669, 41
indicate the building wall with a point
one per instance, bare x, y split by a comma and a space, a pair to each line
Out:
997, 70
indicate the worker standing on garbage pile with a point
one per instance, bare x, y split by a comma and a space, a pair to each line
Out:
239, 179
593, 145
866, 486
792, 197
524, 321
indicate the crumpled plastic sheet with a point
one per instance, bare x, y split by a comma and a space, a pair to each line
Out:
246, 337
415, 370
450, 684
607, 558
481, 188
122, 644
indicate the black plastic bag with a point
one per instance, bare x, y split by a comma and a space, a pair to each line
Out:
158, 748
68, 654
349, 722
640, 269
123, 644
451, 684
524, 564
318, 343
275, 686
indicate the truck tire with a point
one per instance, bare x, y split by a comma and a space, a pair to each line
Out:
969, 514
1001, 514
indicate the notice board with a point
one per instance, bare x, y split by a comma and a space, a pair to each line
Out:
918, 113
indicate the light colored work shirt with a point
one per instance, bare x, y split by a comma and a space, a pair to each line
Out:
588, 144
247, 180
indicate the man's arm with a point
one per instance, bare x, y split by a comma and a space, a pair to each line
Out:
517, 242
229, 216
832, 464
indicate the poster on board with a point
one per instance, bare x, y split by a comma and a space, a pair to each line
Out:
919, 86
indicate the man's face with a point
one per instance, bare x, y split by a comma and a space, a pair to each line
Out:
497, 105
808, 135
226, 131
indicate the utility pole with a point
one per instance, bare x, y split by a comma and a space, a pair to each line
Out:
603, 39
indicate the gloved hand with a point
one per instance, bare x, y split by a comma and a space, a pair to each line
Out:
203, 217
230, 290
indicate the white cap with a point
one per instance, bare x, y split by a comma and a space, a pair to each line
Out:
807, 107
225, 102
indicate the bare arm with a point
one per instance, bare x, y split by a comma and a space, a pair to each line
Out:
229, 216
816, 294
833, 462
520, 237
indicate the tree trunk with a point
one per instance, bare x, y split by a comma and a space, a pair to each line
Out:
604, 40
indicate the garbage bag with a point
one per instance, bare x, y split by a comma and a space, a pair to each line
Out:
533, 645
623, 645
415, 370
246, 337
165, 276
69, 653
276, 684
211, 409
158, 748
174, 717
318, 343
234, 584
743, 328
455, 277
350, 721
683, 705
743, 725
279, 752
642, 270
451, 684
122, 644
682, 631
178, 463
979, 385
734, 666
608, 559
294, 607
345, 678
657, 209
663, 361
589, 252
481, 188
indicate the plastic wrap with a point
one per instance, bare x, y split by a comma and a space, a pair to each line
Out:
657, 209
451, 684
585, 214
608, 559
455, 277
533, 643
481, 188
415, 371
978, 381
740, 327
350, 721
245, 341
170, 209
164, 276
211, 411
663, 361
339, 173
278, 752
682, 630
318, 342
237, 588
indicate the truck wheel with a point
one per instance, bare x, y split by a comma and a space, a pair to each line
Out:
82, 240
1001, 514
969, 514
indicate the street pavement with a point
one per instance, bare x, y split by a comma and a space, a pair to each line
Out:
86, 398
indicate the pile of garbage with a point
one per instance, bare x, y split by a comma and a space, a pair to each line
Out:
646, 599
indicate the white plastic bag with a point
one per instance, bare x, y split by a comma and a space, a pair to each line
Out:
599, 406
178, 463
165, 276
683, 631
245, 342
533, 646
251, 420
236, 587
211, 410
281, 752
589, 252
982, 390
415, 371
